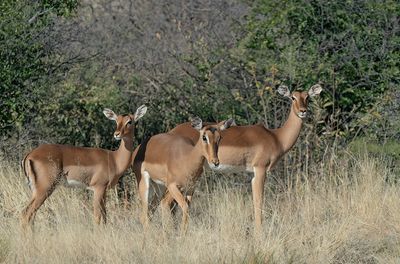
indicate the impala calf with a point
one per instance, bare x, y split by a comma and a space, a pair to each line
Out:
257, 149
176, 162
50, 165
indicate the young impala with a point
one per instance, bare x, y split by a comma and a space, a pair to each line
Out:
96, 169
176, 162
255, 148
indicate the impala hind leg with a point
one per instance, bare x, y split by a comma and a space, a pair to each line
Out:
42, 187
173, 204
41, 190
257, 185
158, 193
144, 186
99, 205
166, 216
29, 213
180, 199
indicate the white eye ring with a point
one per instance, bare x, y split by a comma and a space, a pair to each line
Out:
205, 139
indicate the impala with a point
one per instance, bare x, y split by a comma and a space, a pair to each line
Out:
176, 162
50, 165
255, 148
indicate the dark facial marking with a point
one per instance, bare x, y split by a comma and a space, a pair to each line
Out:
212, 129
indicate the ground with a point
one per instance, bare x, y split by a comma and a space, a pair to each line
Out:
344, 212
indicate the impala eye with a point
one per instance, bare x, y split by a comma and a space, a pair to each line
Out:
204, 138
293, 98
129, 122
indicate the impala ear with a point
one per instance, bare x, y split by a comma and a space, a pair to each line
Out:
315, 90
197, 123
140, 112
227, 124
110, 114
284, 90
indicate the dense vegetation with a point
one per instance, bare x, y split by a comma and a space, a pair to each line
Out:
61, 63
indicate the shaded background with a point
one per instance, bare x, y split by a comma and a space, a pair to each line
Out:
62, 62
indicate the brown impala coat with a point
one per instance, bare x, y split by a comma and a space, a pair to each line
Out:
255, 148
93, 168
176, 162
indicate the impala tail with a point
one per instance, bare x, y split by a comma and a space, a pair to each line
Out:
28, 171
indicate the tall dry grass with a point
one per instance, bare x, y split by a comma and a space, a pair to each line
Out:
348, 213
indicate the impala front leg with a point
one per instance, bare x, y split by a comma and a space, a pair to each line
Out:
180, 199
257, 185
99, 205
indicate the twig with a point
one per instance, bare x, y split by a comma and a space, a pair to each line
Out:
38, 14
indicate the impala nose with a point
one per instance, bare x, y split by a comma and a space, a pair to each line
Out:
117, 135
302, 113
216, 163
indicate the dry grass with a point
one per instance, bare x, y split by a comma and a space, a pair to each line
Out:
350, 213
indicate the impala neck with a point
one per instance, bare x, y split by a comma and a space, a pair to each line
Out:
123, 155
290, 131
196, 156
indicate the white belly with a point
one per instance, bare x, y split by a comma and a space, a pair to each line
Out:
231, 169
76, 184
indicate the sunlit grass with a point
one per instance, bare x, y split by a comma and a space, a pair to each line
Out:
349, 215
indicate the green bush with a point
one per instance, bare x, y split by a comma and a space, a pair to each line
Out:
351, 47
24, 61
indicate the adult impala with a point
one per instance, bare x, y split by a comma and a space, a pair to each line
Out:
176, 162
95, 169
257, 149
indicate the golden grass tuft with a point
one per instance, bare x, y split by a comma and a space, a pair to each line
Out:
349, 213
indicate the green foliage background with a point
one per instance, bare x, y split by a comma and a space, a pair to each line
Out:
350, 47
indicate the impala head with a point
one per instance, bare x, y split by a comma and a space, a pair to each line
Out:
210, 136
125, 123
300, 98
